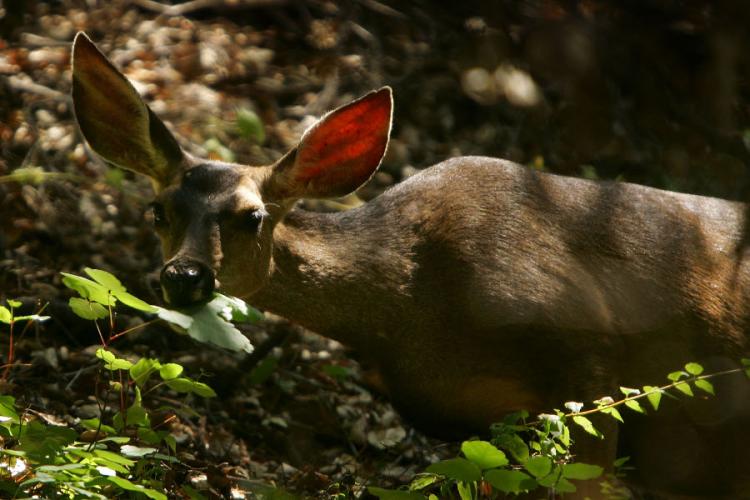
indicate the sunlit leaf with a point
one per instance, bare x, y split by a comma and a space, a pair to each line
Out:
635, 406
675, 376
14, 303
142, 370
5, 315
136, 451
614, 412
169, 371
88, 289
694, 369
129, 486
587, 426
385, 494
705, 386
653, 394
87, 309
134, 302
112, 362
684, 388
107, 280
484, 454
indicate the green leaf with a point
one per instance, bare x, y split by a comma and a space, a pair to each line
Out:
263, 370
136, 451
169, 371
675, 376
14, 303
87, 309
465, 490
538, 466
581, 471
422, 481
684, 388
653, 394
174, 317
458, 469
250, 125
40, 441
8, 408
105, 279
132, 301
629, 391
694, 369
210, 326
88, 289
95, 423
587, 426
129, 486
114, 457
514, 445
564, 486
614, 412
635, 406
484, 454
183, 384
510, 481
142, 370
384, 494
5, 315
705, 386
112, 362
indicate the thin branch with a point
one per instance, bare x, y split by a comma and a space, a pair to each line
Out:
193, 5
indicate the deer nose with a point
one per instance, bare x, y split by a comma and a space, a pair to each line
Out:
186, 282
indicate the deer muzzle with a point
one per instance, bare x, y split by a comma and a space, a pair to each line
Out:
186, 282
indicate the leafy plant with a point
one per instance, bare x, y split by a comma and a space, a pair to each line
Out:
124, 451
524, 455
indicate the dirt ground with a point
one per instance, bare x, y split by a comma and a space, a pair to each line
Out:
654, 93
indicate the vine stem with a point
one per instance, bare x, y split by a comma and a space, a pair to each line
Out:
641, 395
132, 329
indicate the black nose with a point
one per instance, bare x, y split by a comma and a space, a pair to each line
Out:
186, 282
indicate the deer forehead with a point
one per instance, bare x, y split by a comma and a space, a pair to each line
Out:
219, 187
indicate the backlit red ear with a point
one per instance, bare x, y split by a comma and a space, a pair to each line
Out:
340, 152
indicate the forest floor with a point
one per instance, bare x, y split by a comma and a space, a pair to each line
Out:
302, 419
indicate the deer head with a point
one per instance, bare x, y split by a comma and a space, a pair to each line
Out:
216, 220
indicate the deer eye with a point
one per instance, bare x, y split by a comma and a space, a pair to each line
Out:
159, 214
252, 219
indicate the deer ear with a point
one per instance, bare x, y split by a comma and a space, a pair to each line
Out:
340, 152
116, 122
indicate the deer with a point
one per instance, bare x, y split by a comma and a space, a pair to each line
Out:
476, 288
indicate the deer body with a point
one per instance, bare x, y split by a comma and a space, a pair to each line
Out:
477, 287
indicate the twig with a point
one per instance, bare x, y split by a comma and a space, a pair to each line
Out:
193, 5
26, 85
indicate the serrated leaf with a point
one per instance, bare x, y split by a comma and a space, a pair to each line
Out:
88, 289
510, 481
86, 309
587, 426
581, 471
705, 386
458, 469
653, 397
635, 406
107, 280
684, 388
538, 466
694, 369
484, 454
169, 371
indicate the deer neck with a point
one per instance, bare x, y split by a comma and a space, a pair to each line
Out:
336, 275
